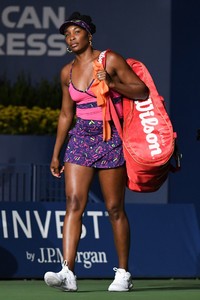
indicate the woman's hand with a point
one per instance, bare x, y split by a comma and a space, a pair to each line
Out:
55, 168
103, 75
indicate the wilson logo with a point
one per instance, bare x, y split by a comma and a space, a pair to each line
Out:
149, 121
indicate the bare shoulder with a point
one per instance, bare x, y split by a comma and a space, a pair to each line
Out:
65, 73
115, 60
114, 55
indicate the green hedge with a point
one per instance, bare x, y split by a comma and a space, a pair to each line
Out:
23, 120
23, 92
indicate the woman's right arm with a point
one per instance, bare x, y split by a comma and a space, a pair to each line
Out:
65, 120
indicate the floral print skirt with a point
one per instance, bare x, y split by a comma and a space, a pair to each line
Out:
86, 147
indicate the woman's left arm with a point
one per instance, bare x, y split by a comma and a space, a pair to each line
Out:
120, 77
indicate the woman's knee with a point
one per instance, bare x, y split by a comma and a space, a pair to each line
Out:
115, 213
75, 204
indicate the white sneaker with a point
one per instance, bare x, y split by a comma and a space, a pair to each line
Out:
122, 281
64, 280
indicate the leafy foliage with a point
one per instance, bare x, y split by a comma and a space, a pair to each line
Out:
23, 93
29, 109
24, 120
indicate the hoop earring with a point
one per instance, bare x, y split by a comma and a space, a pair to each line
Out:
69, 50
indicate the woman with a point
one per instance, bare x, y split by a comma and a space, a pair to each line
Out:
87, 151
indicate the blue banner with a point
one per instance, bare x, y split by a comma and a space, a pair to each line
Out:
30, 40
165, 241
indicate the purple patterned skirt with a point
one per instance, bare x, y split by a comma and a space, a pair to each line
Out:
86, 146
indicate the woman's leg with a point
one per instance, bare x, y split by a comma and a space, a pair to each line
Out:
113, 182
77, 184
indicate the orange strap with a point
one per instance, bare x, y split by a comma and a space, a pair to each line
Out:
101, 91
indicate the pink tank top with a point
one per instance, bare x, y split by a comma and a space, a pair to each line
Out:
86, 102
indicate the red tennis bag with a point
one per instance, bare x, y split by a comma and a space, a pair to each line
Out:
148, 137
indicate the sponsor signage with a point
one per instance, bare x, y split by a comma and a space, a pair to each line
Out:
31, 31
31, 238
30, 39
162, 240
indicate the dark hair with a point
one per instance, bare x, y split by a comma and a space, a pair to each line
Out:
89, 26
87, 19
